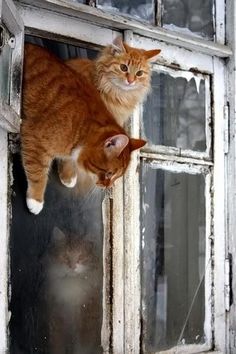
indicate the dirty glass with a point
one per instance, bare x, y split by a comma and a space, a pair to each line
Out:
56, 269
5, 60
189, 16
138, 9
173, 259
174, 113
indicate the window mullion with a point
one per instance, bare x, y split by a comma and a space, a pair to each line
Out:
219, 222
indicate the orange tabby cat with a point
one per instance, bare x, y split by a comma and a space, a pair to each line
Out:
121, 74
64, 117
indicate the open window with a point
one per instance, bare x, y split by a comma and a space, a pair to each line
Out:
157, 243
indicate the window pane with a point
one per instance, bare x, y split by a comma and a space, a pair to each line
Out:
173, 259
56, 271
56, 263
195, 16
175, 111
5, 60
139, 9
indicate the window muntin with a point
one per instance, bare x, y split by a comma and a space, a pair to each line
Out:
177, 111
173, 231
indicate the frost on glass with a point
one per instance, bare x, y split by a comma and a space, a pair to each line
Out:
175, 112
56, 270
173, 259
5, 60
139, 9
189, 16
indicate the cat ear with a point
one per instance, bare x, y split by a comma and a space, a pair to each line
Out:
117, 46
136, 144
152, 54
58, 236
114, 145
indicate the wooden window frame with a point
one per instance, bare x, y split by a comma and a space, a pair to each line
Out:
48, 18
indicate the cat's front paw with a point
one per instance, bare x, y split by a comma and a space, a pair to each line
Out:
69, 183
34, 206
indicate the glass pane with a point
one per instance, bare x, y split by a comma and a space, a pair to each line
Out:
56, 267
5, 60
175, 110
173, 259
189, 16
139, 9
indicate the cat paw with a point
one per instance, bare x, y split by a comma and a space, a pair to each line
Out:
34, 206
71, 183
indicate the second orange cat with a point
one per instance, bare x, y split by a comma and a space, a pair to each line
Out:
122, 75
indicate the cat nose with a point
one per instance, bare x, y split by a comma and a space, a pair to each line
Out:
130, 79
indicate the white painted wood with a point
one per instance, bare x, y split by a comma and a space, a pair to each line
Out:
42, 20
219, 7
219, 207
176, 56
208, 262
4, 316
166, 156
231, 162
170, 165
132, 241
186, 349
106, 320
118, 263
105, 19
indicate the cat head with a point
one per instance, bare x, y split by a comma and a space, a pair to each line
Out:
125, 67
109, 160
68, 250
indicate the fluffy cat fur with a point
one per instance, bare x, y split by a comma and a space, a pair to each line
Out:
73, 295
64, 117
121, 74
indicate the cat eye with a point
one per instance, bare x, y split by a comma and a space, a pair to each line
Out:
139, 73
123, 67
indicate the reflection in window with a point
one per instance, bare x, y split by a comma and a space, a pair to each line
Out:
195, 16
139, 9
56, 263
174, 112
173, 259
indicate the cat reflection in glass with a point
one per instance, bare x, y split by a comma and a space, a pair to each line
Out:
72, 295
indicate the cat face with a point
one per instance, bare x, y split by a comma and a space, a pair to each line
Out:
76, 255
110, 160
125, 67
